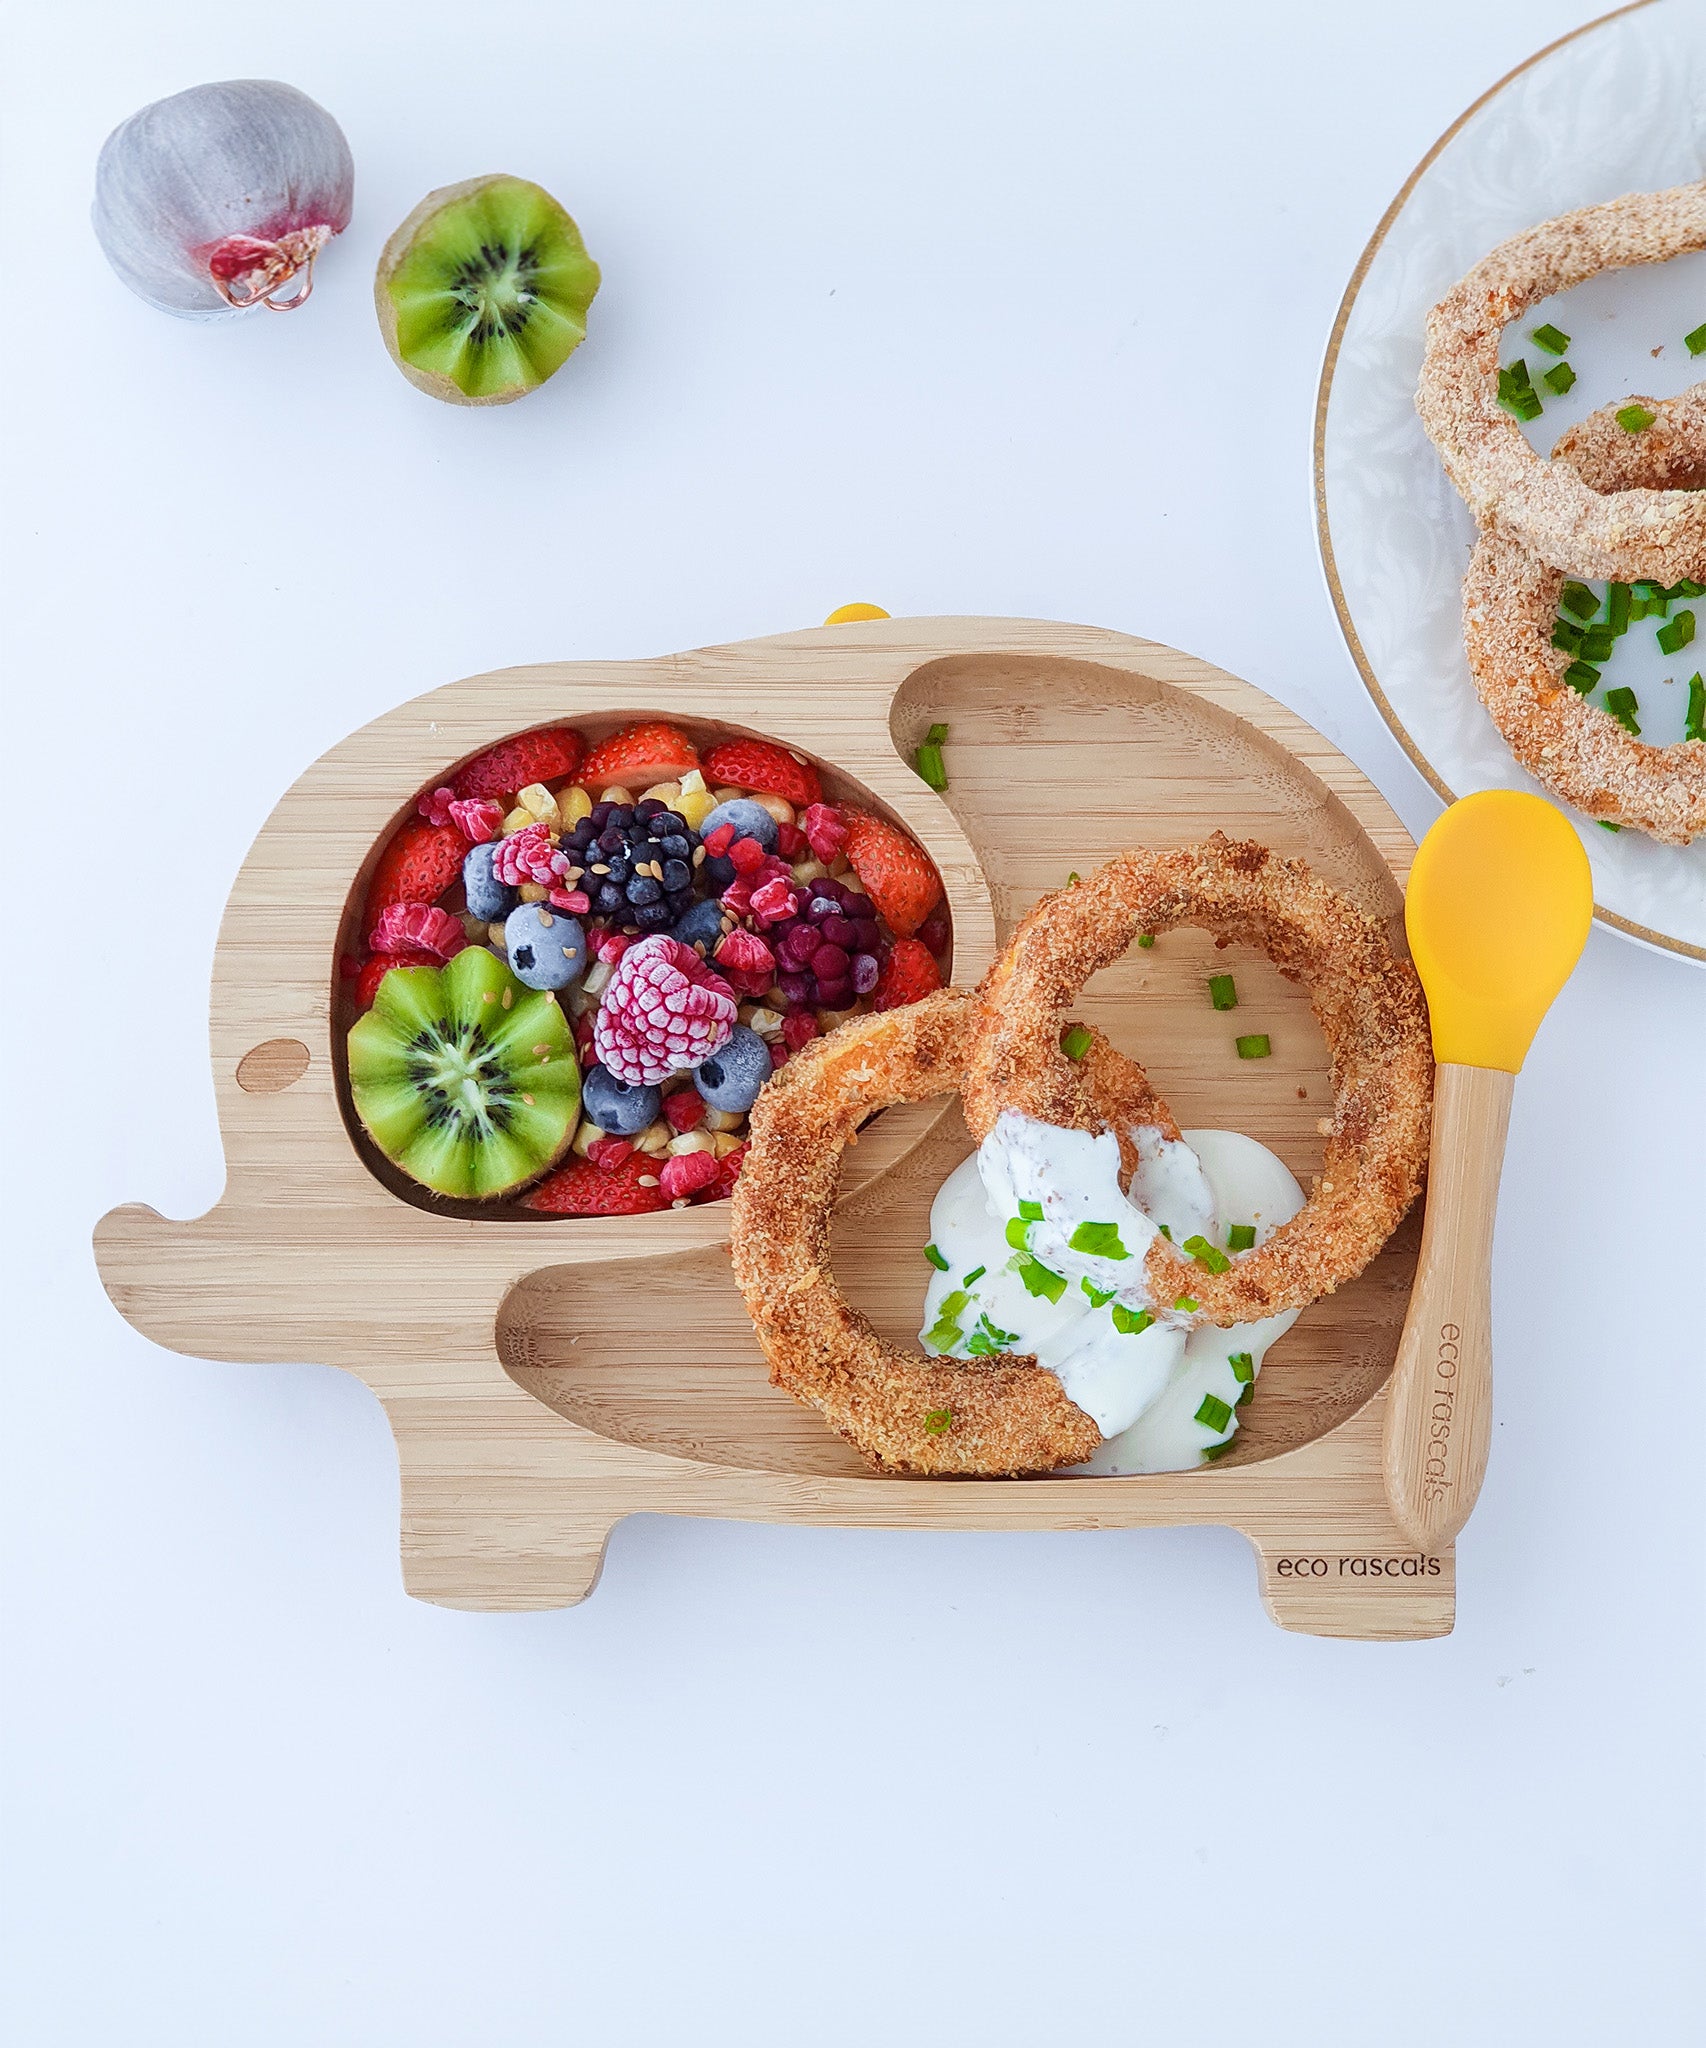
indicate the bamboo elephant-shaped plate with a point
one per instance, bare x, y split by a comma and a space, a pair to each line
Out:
545, 1377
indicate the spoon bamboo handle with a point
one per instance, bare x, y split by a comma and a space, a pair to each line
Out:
1439, 1412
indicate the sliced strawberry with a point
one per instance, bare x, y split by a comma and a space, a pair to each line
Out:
585, 1188
638, 756
684, 1110
368, 980
894, 871
762, 765
513, 764
728, 1172
909, 974
417, 867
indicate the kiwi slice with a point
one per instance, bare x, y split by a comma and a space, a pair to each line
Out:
483, 291
463, 1077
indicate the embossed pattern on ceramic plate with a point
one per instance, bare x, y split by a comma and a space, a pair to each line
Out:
1620, 107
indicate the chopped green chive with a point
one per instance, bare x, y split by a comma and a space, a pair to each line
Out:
1031, 1211
1565, 637
976, 1274
1617, 601
1098, 1241
1017, 1233
1243, 1367
928, 761
1099, 1297
1186, 1305
1517, 393
1578, 599
1623, 707
1255, 1047
1218, 1450
936, 735
1166, 1232
1551, 339
1675, 636
1560, 378
1214, 1413
936, 1259
1146, 939
1243, 1400
939, 1421
1241, 1237
952, 1304
1076, 1043
944, 1335
1581, 677
1130, 1322
1207, 1254
1605, 825
1038, 1279
1597, 643
1635, 419
1222, 992
1687, 588
1695, 343
987, 1340
1694, 725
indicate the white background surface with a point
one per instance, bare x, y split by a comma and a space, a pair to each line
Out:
959, 308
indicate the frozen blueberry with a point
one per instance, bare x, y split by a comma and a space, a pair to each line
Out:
643, 889
615, 1106
750, 820
718, 871
487, 896
547, 948
731, 1078
653, 917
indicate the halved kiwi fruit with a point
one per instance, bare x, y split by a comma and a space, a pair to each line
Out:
483, 291
464, 1078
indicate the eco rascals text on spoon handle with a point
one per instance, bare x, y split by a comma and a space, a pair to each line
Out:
1440, 1402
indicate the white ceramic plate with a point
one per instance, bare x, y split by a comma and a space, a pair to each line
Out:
1620, 106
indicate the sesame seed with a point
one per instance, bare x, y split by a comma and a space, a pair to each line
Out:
489, 996
648, 1180
541, 1052
547, 920
509, 999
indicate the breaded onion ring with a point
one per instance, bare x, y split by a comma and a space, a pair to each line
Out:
1629, 532
1510, 601
904, 1411
1366, 999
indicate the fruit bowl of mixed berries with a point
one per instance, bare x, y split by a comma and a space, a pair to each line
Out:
577, 964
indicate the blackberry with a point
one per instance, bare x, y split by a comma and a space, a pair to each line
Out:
637, 863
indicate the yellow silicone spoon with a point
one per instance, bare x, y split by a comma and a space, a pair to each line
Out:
1498, 910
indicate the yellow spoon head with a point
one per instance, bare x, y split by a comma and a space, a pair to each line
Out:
1498, 911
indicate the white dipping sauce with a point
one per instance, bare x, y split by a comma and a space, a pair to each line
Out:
1061, 1277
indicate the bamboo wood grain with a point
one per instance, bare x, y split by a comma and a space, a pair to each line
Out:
1439, 1417
518, 1358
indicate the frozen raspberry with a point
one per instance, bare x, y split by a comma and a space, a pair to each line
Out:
684, 1110
575, 901
528, 856
611, 946
791, 842
748, 963
608, 1153
737, 896
435, 806
684, 1173
718, 841
748, 856
799, 1029
825, 830
418, 928
478, 818
773, 900
662, 1010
